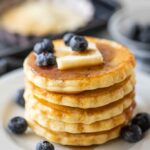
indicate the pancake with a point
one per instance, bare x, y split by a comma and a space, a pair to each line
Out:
118, 65
77, 115
98, 126
87, 99
83, 139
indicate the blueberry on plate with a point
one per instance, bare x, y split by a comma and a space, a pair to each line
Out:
142, 120
131, 133
44, 145
45, 59
67, 37
19, 97
78, 43
18, 125
44, 46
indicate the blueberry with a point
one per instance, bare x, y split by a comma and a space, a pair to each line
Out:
48, 45
67, 37
142, 120
44, 46
18, 125
78, 43
44, 145
45, 59
19, 97
38, 48
131, 133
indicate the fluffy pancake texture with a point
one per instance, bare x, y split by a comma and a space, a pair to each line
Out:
77, 115
98, 126
81, 106
83, 139
87, 99
118, 65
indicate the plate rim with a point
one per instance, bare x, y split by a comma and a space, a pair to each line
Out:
12, 76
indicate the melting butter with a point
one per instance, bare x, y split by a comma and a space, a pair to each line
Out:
68, 59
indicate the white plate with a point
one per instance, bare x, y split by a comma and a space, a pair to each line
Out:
11, 82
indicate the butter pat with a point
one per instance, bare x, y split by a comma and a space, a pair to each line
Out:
68, 59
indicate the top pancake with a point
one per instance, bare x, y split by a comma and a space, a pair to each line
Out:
118, 65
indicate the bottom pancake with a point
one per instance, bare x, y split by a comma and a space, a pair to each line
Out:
83, 139
59, 126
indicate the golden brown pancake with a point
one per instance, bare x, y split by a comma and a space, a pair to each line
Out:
98, 126
77, 115
86, 99
82, 139
85, 105
117, 66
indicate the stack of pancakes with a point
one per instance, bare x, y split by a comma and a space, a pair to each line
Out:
82, 106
